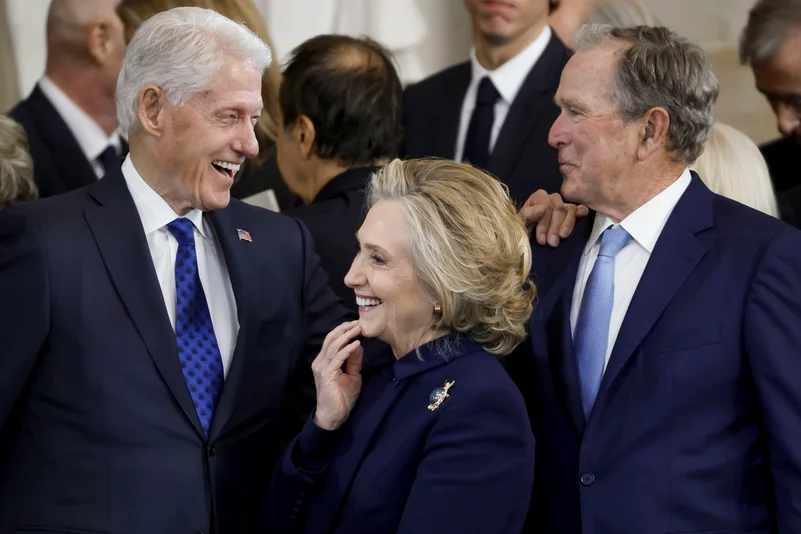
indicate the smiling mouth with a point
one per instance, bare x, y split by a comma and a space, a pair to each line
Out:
364, 302
226, 168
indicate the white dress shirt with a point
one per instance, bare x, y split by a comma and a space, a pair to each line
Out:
90, 136
507, 79
644, 224
156, 214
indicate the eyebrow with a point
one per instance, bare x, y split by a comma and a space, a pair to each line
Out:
371, 246
568, 103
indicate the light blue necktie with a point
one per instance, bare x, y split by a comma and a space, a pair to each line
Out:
592, 328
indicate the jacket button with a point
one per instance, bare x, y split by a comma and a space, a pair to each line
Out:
587, 479
212, 450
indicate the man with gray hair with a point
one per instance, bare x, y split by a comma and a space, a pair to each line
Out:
662, 374
70, 118
771, 44
157, 335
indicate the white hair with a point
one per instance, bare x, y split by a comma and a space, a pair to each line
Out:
181, 51
732, 166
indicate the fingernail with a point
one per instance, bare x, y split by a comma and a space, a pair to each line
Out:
553, 241
564, 232
541, 238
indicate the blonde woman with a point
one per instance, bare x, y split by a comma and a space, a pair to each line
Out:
731, 165
427, 434
16, 165
262, 173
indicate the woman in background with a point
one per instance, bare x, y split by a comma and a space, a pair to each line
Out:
16, 165
261, 174
427, 433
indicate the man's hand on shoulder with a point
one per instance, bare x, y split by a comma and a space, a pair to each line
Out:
550, 217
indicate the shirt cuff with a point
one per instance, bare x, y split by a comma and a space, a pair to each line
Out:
314, 447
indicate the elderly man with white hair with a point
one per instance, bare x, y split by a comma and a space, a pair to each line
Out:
156, 334
69, 117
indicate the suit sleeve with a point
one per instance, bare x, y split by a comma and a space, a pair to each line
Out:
24, 305
772, 331
477, 470
322, 312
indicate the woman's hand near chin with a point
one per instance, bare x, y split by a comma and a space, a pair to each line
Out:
337, 391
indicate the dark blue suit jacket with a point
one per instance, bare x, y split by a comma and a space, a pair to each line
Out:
98, 432
697, 424
397, 466
59, 164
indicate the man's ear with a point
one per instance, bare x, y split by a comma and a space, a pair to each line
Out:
100, 41
306, 136
151, 106
654, 132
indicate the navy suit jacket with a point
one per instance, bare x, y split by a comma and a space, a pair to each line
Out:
522, 158
697, 424
398, 466
98, 432
333, 219
59, 164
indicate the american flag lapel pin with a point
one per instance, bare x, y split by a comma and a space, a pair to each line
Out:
244, 235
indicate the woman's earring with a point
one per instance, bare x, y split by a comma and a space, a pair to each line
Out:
437, 309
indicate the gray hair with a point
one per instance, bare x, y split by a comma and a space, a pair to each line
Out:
769, 24
181, 51
657, 68
16, 165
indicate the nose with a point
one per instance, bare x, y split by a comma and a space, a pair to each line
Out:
355, 277
789, 118
246, 142
557, 137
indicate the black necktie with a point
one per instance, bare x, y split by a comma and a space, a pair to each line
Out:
477, 142
109, 159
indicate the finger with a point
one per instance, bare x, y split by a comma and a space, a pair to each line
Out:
582, 211
544, 222
335, 333
339, 358
569, 222
353, 365
343, 340
557, 218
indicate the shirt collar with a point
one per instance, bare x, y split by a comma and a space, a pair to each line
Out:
645, 224
154, 210
509, 77
90, 136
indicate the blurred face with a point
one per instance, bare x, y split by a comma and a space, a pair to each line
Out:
204, 142
392, 306
779, 79
502, 21
596, 149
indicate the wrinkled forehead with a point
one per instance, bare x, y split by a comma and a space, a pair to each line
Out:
589, 74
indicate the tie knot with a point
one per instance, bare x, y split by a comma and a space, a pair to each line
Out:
109, 159
183, 230
612, 241
487, 94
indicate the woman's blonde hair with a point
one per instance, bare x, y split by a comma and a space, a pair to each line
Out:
732, 166
16, 165
469, 246
134, 12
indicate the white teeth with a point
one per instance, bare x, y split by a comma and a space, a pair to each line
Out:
367, 302
225, 165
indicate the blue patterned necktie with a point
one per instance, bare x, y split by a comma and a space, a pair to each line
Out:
592, 328
194, 333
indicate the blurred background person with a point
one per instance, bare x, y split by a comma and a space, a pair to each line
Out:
258, 181
341, 106
16, 165
428, 434
495, 110
9, 84
731, 165
70, 118
570, 15
770, 44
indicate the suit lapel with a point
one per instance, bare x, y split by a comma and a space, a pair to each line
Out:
535, 94
675, 256
444, 126
74, 169
118, 232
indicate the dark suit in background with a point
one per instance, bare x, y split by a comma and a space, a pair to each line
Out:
59, 163
783, 157
398, 466
697, 422
522, 158
98, 431
333, 219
